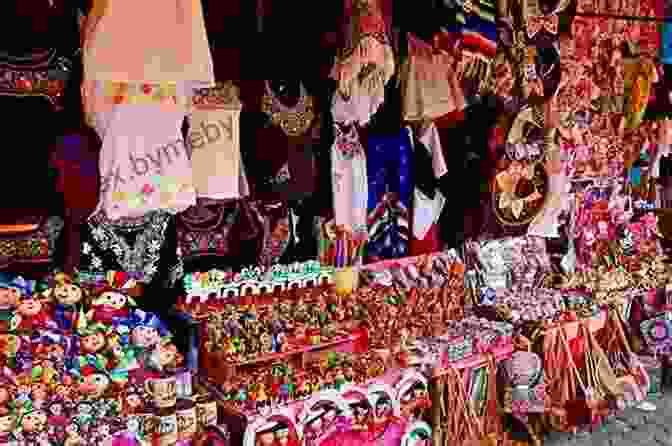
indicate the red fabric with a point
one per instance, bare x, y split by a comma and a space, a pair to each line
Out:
431, 243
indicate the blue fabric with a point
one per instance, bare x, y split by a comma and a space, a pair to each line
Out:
666, 43
389, 167
390, 180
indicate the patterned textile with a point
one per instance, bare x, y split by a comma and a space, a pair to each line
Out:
350, 188
390, 181
524, 391
35, 247
144, 246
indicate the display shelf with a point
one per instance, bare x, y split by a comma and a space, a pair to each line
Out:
220, 370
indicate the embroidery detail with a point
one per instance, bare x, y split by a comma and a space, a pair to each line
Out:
536, 23
294, 121
144, 254
348, 143
214, 240
39, 245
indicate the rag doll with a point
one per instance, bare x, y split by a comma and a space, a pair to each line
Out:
93, 384
31, 314
110, 305
67, 298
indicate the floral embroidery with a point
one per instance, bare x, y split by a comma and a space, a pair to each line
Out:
142, 256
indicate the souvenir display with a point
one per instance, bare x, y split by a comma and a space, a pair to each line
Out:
512, 148
78, 364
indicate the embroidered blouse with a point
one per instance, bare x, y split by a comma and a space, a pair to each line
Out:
176, 50
277, 144
145, 247
366, 63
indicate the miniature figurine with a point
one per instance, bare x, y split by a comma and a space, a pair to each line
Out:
145, 336
9, 298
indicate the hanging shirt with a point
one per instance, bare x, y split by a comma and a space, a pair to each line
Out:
430, 86
145, 247
214, 138
430, 165
150, 41
277, 144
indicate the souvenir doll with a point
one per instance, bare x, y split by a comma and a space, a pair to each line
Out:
93, 384
133, 403
7, 424
31, 314
9, 298
6, 398
110, 305
39, 394
148, 333
92, 343
73, 436
58, 422
34, 422
67, 297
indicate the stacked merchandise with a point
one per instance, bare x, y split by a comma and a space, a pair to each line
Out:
308, 366
87, 366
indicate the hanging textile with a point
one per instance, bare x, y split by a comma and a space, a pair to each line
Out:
389, 166
214, 142
349, 177
120, 48
429, 85
277, 140
144, 163
366, 63
144, 247
428, 200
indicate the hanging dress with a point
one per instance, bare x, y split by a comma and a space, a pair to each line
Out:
214, 140
390, 182
350, 189
136, 92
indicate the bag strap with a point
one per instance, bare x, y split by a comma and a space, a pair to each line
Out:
570, 360
491, 415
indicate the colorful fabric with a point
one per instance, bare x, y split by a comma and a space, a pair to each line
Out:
144, 163
430, 86
390, 182
214, 137
145, 247
349, 176
34, 247
118, 47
